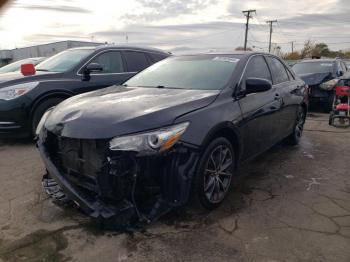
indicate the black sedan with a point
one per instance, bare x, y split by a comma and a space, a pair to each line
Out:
25, 98
179, 129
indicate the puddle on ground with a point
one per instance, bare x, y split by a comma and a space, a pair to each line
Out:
41, 245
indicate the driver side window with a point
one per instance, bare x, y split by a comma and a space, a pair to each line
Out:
257, 68
111, 62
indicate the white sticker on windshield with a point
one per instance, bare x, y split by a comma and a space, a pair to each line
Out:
326, 64
226, 59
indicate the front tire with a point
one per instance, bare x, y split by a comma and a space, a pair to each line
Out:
215, 171
41, 109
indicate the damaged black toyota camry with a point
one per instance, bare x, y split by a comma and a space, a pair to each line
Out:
176, 131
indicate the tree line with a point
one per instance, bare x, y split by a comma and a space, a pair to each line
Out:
315, 50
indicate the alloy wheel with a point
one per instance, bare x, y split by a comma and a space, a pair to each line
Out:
218, 174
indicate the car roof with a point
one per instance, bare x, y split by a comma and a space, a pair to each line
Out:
243, 53
317, 60
130, 47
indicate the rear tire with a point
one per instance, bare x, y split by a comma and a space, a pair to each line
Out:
41, 109
295, 137
214, 174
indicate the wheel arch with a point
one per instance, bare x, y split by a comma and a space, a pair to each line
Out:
52, 94
229, 131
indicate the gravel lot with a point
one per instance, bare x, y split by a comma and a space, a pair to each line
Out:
291, 204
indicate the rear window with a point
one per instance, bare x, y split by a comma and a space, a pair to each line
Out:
136, 61
313, 67
157, 57
278, 70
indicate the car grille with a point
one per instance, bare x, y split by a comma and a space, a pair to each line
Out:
80, 161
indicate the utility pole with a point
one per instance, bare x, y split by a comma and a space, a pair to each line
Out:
248, 15
270, 22
292, 46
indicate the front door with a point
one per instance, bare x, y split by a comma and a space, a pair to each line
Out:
114, 71
259, 111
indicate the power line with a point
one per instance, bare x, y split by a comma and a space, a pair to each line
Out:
248, 15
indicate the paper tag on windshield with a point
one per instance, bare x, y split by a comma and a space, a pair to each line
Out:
326, 64
226, 59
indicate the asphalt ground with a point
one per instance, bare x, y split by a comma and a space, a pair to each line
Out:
290, 204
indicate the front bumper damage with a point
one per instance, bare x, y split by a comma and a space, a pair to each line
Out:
126, 188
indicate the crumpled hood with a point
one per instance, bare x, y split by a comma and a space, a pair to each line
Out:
115, 111
315, 78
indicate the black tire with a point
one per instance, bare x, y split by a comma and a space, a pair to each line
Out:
328, 107
330, 122
41, 109
203, 177
295, 137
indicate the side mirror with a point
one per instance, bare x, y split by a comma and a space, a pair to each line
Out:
93, 67
28, 69
90, 68
340, 73
257, 85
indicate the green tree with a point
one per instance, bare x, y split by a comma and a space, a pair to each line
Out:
292, 56
307, 50
321, 49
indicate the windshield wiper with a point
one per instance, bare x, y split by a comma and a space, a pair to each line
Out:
43, 70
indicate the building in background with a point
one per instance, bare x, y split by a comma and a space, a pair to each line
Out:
45, 50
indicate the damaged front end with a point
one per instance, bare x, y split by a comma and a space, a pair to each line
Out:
113, 184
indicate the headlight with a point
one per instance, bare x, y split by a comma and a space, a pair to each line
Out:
42, 121
329, 85
150, 142
11, 92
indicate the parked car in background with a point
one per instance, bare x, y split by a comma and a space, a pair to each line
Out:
24, 99
347, 63
321, 75
178, 128
16, 66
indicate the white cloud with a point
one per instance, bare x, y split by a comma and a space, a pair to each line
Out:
181, 25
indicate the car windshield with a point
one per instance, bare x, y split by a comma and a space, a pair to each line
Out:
313, 67
64, 61
207, 72
13, 67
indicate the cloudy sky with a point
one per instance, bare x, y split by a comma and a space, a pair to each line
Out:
179, 26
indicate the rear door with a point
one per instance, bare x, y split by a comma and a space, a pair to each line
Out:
259, 111
136, 61
284, 85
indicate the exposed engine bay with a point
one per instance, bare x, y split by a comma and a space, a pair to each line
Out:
113, 185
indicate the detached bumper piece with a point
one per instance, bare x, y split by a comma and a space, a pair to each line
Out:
54, 191
112, 186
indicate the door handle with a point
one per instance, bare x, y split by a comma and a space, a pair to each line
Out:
279, 98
